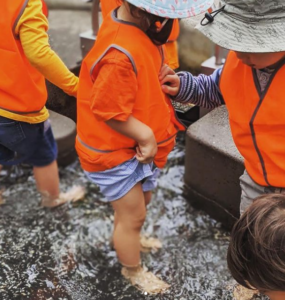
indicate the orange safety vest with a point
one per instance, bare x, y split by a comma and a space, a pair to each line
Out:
45, 8
109, 5
99, 147
22, 87
170, 46
257, 120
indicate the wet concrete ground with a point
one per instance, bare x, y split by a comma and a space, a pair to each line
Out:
64, 253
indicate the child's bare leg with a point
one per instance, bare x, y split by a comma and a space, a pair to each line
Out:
47, 180
129, 215
148, 243
147, 197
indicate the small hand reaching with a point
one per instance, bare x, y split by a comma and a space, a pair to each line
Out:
169, 80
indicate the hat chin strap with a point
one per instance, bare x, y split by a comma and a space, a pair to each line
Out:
209, 17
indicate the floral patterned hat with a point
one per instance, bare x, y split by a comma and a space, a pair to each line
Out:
173, 9
247, 25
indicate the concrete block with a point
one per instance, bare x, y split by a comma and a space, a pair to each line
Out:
194, 48
64, 130
213, 166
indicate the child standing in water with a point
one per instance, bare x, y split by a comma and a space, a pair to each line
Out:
251, 85
26, 59
126, 124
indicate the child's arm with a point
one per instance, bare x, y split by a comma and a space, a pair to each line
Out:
141, 133
200, 90
113, 98
31, 29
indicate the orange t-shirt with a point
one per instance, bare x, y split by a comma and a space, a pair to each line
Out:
115, 88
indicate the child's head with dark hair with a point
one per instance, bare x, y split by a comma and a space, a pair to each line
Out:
256, 254
151, 24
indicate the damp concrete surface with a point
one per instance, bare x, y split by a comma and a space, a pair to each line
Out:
64, 253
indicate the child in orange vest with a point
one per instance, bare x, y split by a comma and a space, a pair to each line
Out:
256, 251
26, 59
251, 84
126, 125
171, 44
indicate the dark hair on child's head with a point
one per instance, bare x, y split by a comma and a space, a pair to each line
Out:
148, 21
256, 254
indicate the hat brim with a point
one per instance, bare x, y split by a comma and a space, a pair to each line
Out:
250, 37
179, 11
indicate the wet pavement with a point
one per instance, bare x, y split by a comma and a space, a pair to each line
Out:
65, 253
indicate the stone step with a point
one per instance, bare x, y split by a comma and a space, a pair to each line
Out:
64, 130
213, 166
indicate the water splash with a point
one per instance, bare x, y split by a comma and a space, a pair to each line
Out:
65, 253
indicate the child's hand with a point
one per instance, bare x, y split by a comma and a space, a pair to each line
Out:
146, 149
170, 82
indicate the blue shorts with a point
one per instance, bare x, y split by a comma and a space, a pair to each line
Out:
27, 143
117, 182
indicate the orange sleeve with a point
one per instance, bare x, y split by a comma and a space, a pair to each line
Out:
115, 87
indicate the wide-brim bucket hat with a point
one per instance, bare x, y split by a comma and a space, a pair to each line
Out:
255, 26
173, 9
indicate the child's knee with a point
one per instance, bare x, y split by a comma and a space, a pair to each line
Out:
135, 221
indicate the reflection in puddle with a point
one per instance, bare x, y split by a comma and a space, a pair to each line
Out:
65, 253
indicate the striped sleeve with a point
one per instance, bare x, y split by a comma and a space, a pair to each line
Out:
200, 90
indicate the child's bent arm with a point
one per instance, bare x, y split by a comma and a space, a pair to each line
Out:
200, 90
31, 29
141, 133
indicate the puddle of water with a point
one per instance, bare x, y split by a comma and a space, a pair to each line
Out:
65, 253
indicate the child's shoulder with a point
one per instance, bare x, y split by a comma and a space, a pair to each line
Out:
117, 57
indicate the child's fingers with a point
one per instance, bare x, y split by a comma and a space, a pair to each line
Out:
169, 79
139, 153
164, 71
144, 160
172, 91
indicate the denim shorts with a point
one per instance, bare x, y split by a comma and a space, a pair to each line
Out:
118, 181
21, 142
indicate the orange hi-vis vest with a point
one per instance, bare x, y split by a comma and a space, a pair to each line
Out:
108, 5
22, 87
45, 8
175, 31
257, 120
171, 45
99, 147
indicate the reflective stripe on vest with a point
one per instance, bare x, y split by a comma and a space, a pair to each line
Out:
257, 120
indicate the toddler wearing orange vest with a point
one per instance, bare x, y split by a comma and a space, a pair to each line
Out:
25, 61
126, 125
251, 84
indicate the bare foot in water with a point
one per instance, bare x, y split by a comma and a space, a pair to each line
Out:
242, 293
145, 281
74, 194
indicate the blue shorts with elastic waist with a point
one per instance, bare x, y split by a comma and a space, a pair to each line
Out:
21, 142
